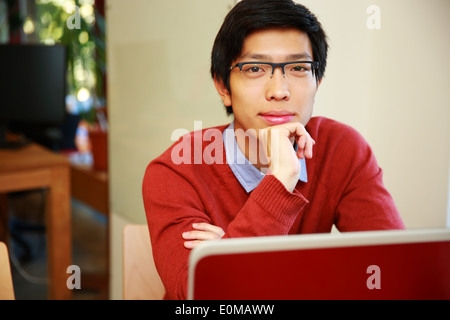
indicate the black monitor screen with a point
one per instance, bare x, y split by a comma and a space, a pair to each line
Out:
32, 84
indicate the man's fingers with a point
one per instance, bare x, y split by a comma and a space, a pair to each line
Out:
200, 235
309, 148
305, 146
301, 143
209, 227
191, 244
204, 232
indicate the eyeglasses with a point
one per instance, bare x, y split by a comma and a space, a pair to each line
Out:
294, 69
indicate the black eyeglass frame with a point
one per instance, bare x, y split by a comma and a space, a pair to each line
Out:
314, 65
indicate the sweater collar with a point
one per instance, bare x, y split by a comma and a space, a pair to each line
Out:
246, 173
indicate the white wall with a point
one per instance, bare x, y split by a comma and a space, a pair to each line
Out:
391, 84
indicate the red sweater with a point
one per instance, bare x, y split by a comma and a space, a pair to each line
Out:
344, 188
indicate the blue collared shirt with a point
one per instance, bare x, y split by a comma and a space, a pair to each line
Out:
246, 173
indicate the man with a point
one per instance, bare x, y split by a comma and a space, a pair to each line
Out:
278, 171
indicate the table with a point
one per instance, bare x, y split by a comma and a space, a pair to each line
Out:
33, 167
90, 186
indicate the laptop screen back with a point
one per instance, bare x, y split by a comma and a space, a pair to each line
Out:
358, 265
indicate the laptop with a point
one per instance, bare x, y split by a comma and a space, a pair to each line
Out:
400, 264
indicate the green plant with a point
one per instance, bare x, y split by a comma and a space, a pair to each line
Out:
85, 44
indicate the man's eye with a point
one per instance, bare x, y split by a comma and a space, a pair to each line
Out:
253, 69
298, 68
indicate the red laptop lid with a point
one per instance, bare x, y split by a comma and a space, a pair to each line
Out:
413, 264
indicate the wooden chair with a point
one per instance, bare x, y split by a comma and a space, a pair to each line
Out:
141, 280
6, 283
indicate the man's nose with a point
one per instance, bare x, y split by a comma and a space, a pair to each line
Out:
277, 86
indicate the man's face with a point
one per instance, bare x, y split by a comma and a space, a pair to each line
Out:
262, 101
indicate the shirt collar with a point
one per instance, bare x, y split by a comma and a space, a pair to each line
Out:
246, 173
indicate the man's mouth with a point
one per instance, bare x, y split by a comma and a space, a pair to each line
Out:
277, 117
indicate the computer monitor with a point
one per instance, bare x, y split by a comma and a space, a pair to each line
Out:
403, 264
32, 86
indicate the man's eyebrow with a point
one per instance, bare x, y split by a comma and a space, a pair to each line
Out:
299, 56
264, 57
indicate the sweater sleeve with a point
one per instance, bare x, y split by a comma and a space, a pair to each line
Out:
365, 203
172, 204
270, 210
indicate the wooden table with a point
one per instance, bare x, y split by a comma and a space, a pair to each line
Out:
90, 186
34, 167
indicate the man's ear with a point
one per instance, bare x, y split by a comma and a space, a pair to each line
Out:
223, 92
318, 83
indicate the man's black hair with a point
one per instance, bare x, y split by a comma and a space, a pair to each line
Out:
248, 16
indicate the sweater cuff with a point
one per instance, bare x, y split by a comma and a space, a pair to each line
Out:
274, 198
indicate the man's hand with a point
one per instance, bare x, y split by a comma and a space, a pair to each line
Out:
203, 231
277, 142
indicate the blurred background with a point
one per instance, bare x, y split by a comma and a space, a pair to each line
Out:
53, 89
